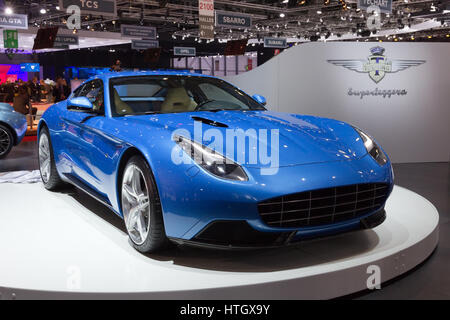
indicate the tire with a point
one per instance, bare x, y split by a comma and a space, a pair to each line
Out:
49, 175
141, 207
6, 141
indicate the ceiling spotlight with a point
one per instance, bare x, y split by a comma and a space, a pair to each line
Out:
282, 15
9, 10
57, 8
319, 11
43, 11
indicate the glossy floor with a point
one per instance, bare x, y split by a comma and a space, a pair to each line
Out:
66, 245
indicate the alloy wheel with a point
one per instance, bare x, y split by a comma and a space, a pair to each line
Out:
5, 141
44, 158
135, 204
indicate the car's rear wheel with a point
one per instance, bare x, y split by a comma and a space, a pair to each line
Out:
47, 166
6, 141
141, 207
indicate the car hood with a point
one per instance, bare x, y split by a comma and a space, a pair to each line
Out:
297, 139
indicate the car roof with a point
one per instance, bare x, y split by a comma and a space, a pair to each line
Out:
110, 75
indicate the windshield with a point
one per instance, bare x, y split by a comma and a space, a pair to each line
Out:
171, 94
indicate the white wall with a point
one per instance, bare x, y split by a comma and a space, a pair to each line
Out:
411, 128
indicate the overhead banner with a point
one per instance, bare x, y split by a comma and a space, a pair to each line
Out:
384, 5
14, 21
279, 43
185, 51
10, 39
206, 19
62, 39
98, 7
142, 32
233, 20
144, 44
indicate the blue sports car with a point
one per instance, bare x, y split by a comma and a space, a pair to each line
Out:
13, 126
188, 158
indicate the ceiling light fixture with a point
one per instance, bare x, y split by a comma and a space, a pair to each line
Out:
282, 15
43, 11
9, 10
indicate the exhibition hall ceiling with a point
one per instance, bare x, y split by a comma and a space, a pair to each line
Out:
303, 20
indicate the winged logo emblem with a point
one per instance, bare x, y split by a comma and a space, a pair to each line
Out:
377, 65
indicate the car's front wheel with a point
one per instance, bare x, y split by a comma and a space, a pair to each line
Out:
47, 166
141, 207
6, 141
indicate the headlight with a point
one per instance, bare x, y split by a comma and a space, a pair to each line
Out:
372, 148
211, 161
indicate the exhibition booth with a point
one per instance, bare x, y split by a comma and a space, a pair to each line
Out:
343, 264
251, 150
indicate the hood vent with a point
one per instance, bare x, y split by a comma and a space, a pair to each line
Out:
210, 122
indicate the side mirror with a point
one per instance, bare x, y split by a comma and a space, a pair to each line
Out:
260, 99
80, 104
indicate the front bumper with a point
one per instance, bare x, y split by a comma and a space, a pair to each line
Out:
239, 234
190, 207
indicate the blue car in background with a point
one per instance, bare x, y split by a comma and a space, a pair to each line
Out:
13, 126
155, 148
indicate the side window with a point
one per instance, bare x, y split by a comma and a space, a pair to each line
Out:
94, 92
77, 91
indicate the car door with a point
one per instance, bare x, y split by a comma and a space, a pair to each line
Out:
93, 153
77, 142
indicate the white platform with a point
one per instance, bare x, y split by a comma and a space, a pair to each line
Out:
60, 245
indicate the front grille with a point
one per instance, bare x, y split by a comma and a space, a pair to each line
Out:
324, 206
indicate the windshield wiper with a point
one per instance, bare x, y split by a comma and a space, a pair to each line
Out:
217, 110
201, 104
